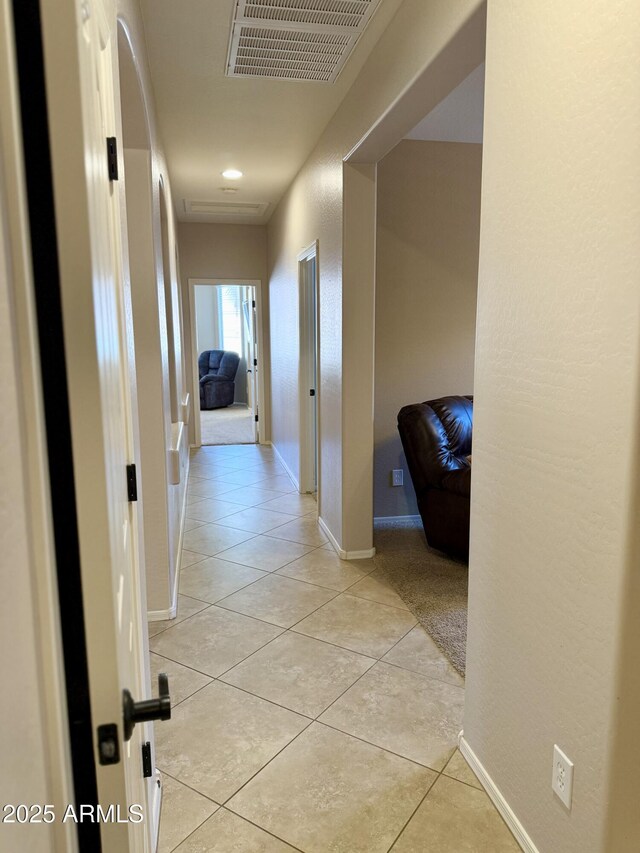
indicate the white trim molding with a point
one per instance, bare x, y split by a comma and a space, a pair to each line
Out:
290, 473
391, 520
194, 407
172, 611
344, 555
508, 815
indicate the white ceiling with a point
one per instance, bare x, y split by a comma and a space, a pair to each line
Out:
459, 117
210, 122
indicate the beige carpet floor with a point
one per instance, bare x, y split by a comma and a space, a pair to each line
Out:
431, 584
233, 425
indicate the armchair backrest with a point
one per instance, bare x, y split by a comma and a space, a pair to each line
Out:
218, 362
436, 437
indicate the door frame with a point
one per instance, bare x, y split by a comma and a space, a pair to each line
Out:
307, 449
256, 283
36, 596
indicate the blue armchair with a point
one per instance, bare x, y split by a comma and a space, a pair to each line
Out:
217, 370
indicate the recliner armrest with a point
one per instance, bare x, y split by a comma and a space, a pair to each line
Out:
458, 482
213, 377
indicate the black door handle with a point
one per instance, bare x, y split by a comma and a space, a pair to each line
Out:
147, 709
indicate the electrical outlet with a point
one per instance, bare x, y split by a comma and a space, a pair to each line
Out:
397, 477
562, 781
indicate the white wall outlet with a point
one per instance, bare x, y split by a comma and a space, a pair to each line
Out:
397, 477
562, 781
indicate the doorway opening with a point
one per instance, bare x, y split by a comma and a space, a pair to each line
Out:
226, 352
411, 210
309, 367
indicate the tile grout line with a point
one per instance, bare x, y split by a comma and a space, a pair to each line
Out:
262, 829
286, 631
312, 548
190, 787
284, 628
381, 748
378, 746
282, 631
413, 813
262, 698
273, 757
415, 672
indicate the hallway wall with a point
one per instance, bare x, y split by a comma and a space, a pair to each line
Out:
312, 209
161, 523
210, 250
428, 235
554, 582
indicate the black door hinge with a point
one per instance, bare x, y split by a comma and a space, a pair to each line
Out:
253, 304
256, 419
147, 769
108, 745
255, 362
112, 157
132, 483
312, 392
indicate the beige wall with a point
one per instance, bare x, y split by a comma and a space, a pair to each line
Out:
426, 284
554, 594
231, 252
312, 209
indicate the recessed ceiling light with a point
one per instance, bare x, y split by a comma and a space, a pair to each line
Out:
232, 174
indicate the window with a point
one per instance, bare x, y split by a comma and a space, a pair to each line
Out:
230, 318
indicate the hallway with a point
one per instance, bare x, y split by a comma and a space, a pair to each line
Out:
311, 712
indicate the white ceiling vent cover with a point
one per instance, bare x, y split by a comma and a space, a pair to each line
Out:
226, 208
295, 39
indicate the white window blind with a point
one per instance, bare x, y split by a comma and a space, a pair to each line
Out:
230, 314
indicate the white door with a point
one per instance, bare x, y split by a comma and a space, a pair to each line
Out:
251, 326
308, 375
78, 41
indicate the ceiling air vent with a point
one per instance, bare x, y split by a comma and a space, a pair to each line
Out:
295, 39
226, 208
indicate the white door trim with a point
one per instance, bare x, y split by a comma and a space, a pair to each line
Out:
256, 283
307, 449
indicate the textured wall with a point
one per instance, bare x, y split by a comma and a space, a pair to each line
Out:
225, 251
553, 573
312, 209
426, 281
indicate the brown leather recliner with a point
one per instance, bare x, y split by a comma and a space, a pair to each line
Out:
436, 437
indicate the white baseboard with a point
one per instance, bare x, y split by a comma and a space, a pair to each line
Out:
360, 555
383, 520
292, 477
156, 807
519, 832
344, 555
172, 611
161, 615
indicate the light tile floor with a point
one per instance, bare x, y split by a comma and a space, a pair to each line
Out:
311, 712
